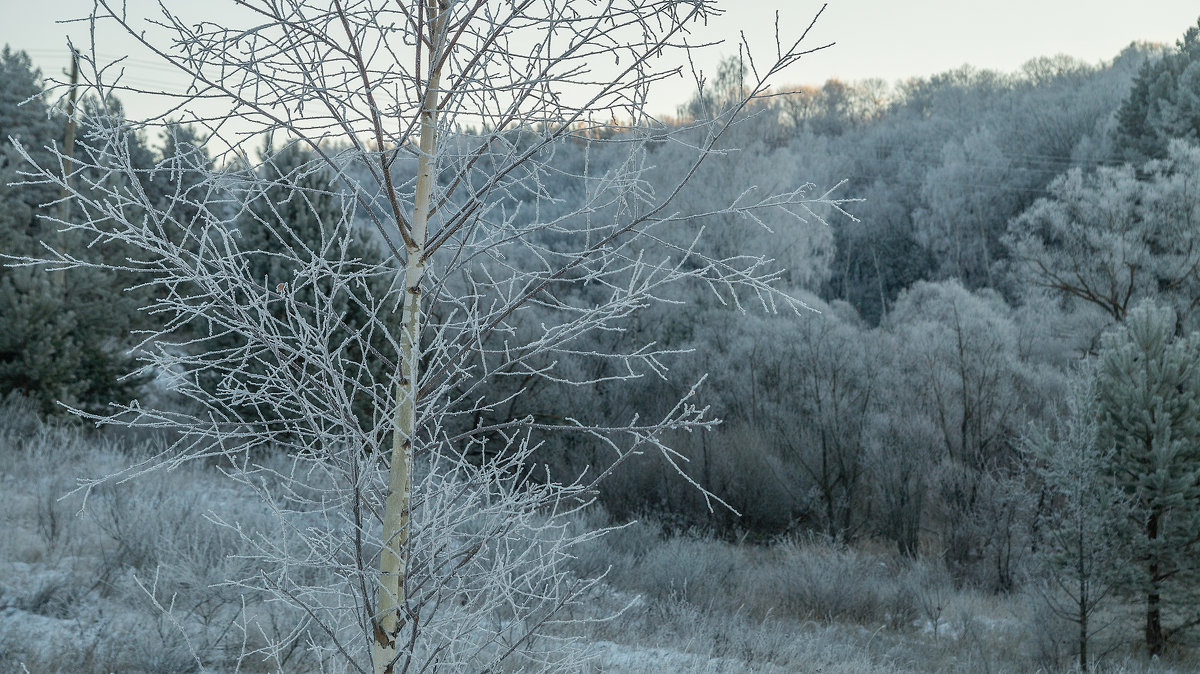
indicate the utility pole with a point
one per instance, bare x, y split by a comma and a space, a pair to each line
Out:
64, 207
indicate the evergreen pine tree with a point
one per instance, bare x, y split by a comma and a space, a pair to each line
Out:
1079, 548
1163, 104
1148, 392
65, 335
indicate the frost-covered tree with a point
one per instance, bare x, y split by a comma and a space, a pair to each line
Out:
965, 347
756, 156
952, 160
1111, 239
826, 385
796, 402
428, 539
1079, 544
1148, 390
900, 456
1163, 105
961, 360
967, 199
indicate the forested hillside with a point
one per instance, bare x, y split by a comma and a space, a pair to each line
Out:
998, 372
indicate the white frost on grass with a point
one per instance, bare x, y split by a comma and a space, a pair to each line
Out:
628, 659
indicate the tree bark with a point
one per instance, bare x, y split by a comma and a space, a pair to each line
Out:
1154, 631
391, 615
1084, 600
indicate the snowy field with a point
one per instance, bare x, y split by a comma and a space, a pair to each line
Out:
135, 583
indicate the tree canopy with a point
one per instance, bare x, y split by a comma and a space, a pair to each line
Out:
1163, 105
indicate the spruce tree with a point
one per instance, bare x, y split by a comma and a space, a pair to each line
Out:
1148, 392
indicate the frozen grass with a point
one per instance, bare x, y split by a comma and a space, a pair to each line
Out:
807, 605
131, 581
88, 591
800, 580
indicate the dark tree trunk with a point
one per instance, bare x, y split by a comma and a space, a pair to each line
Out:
1154, 631
1084, 607
1083, 571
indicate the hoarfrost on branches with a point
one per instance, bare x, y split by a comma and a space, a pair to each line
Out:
415, 527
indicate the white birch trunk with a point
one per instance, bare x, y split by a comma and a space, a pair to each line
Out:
391, 596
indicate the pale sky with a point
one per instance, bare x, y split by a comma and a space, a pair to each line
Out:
888, 39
